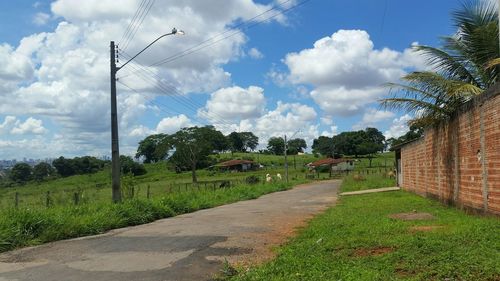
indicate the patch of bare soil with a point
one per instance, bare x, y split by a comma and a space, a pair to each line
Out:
412, 216
265, 243
364, 252
425, 228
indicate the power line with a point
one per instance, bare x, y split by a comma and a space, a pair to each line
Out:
141, 17
246, 25
132, 22
148, 75
201, 47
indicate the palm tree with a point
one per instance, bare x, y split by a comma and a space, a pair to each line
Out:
465, 66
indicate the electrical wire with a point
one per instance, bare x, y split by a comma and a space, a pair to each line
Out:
141, 17
132, 22
210, 42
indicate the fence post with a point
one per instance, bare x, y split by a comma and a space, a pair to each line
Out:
148, 193
47, 199
17, 199
76, 198
132, 193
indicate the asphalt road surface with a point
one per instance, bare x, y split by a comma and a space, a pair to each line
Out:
187, 247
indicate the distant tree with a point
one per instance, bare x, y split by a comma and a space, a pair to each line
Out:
129, 166
295, 146
153, 148
21, 173
367, 142
276, 145
65, 167
242, 141
324, 146
414, 132
193, 146
235, 142
250, 141
42, 170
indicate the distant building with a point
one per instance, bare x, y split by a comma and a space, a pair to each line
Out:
237, 165
340, 164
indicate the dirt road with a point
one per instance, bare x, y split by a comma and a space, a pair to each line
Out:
187, 247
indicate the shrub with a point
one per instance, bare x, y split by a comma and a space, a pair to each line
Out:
252, 179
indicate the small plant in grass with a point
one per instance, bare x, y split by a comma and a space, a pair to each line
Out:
252, 179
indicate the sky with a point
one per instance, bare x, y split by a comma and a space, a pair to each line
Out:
301, 68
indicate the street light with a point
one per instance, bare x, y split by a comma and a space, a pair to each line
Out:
115, 154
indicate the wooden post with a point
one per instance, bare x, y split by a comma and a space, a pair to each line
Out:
148, 192
47, 199
16, 203
76, 198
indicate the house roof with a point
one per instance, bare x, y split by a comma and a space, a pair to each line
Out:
328, 161
234, 162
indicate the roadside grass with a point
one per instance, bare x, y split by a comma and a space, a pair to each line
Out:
356, 240
26, 227
355, 182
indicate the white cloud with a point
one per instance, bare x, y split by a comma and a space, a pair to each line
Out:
171, 125
41, 18
287, 118
234, 103
399, 127
30, 126
12, 125
346, 71
255, 53
63, 74
372, 117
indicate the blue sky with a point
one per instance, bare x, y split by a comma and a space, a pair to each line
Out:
316, 70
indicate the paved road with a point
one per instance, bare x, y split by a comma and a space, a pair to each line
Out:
187, 247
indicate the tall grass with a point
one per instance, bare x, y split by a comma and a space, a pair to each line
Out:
25, 227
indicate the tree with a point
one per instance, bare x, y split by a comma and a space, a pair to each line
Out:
376, 138
42, 170
250, 141
129, 166
193, 146
276, 145
324, 146
21, 173
65, 167
466, 65
153, 148
242, 141
415, 132
295, 146
235, 142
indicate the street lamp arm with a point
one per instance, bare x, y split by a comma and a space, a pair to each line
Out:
174, 31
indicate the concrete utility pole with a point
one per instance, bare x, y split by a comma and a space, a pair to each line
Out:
286, 161
115, 153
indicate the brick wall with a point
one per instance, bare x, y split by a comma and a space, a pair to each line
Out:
459, 161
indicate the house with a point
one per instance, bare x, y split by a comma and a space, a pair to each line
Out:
340, 164
237, 165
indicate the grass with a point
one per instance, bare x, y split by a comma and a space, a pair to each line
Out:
355, 181
96, 187
27, 227
356, 240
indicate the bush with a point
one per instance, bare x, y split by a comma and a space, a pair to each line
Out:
252, 179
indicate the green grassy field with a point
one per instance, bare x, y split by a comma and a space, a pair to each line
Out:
95, 188
357, 240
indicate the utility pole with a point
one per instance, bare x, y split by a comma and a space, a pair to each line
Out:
286, 161
115, 153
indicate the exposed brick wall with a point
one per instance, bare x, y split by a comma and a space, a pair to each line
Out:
459, 161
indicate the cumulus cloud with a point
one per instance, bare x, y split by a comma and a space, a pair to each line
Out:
255, 53
372, 117
347, 71
41, 18
398, 127
13, 125
234, 103
63, 74
171, 125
